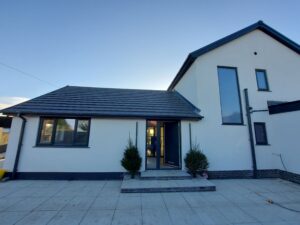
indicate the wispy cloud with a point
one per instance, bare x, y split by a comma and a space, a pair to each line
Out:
9, 101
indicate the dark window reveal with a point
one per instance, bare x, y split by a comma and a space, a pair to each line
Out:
260, 134
230, 96
64, 132
261, 79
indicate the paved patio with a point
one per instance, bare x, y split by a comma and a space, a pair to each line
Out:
100, 202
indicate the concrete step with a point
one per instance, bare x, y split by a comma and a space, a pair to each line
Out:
164, 175
154, 186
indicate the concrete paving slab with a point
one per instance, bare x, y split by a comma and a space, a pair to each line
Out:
235, 215
211, 216
67, 218
54, 203
79, 203
127, 217
159, 216
268, 213
128, 202
105, 202
113, 183
37, 218
152, 201
195, 200
10, 218
174, 200
6, 202
98, 217
110, 191
233, 203
184, 216
27, 204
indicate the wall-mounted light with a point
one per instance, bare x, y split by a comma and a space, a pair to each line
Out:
151, 131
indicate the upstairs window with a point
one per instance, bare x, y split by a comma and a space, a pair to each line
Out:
260, 134
230, 96
63, 132
261, 79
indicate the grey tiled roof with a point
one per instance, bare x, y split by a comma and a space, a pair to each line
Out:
108, 102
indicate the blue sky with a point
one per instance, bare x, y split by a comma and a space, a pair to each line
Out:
122, 44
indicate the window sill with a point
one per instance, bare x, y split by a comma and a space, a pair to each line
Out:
59, 146
233, 124
261, 90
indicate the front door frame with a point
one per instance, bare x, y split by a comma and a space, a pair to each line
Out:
159, 121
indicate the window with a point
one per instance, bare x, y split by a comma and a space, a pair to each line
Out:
261, 79
260, 134
230, 96
46, 132
63, 132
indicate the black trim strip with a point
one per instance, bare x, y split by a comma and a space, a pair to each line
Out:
246, 174
68, 175
284, 107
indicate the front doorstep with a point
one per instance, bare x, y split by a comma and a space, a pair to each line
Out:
159, 185
165, 175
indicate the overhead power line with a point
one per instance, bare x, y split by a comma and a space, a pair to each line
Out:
27, 74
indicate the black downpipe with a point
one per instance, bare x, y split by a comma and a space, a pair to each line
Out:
14, 173
190, 134
136, 134
249, 122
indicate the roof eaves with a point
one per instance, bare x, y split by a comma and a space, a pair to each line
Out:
195, 116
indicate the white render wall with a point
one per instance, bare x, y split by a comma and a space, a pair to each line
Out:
285, 138
227, 146
108, 138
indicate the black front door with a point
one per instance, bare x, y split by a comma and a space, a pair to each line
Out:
163, 145
172, 143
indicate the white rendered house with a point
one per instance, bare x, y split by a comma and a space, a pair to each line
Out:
237, 98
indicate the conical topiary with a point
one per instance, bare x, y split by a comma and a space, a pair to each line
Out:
195, 161
131, 159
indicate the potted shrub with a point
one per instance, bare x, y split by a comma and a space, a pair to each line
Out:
131, 159
2, 173
196, 161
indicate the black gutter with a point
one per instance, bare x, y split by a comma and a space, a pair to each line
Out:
249, 124
15, 169
195, 117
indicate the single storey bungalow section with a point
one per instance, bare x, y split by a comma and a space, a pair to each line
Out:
237, 99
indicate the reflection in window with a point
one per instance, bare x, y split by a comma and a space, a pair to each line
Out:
82, 132
229, 96
46, 132
64, 131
